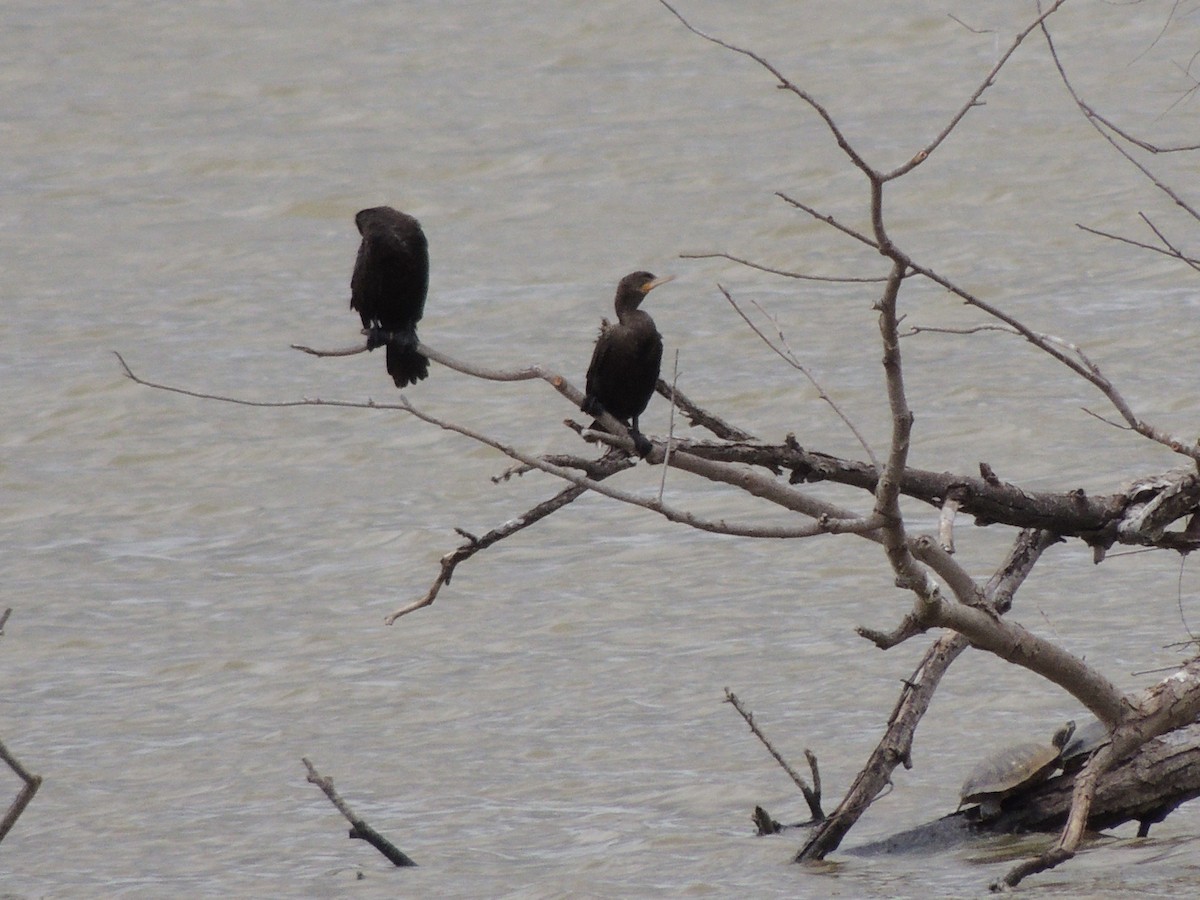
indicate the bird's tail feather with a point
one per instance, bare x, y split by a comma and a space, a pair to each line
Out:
404, 363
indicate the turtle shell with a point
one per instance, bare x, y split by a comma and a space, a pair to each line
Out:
1013, 769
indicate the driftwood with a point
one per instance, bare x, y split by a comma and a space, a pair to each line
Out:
31, 781
359, 829
24, 796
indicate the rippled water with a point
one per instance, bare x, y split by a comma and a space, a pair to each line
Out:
198, 588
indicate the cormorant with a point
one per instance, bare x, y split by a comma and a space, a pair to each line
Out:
391, 276
625, 363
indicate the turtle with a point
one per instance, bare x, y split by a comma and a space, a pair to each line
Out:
1087, 740
1012, 770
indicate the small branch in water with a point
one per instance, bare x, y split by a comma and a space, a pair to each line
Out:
812, 796
359, 829
24, 796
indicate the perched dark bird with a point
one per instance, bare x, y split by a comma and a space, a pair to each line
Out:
625, 363
391, 276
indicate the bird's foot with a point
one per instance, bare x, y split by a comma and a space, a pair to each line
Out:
376, 337
641, 444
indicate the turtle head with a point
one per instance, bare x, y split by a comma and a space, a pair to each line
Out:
1063, 735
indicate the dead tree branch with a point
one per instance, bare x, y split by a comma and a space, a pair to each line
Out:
812, 795
831, 125
829, 519
895, 747
701, 418
24, 796
1109, 131
601, 469
359, 829
749, 264
31, 782
784, 352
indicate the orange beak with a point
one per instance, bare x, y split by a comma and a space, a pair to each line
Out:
651, 285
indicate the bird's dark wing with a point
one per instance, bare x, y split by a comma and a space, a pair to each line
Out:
644, 369
597, 384
391, 273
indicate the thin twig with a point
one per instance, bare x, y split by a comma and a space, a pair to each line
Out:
599, 470
784, 351
973, 100
784, 83
812, 796
829, 220
1107, 130
830, 519
662, 485
1070, 356
833, 279
968, 27
914, 330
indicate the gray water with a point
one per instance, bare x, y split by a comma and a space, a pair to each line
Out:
198, 589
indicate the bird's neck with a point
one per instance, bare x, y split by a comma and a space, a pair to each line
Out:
631, 316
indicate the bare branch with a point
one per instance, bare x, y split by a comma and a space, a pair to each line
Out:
1010, 641
914, 330
787, 85
344, 351
895, 747
887, 492
1070, 356
597, 470
834, 279
828, 220
785, 353
812, 796
1107, 130
701, 418
830, 519
974, 99
968, 27
358, 828
24, 796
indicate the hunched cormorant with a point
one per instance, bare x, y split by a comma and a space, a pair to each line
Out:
391, 276
625, 363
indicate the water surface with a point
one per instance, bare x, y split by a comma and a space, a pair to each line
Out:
199, 589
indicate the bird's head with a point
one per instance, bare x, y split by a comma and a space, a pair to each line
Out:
634, 287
